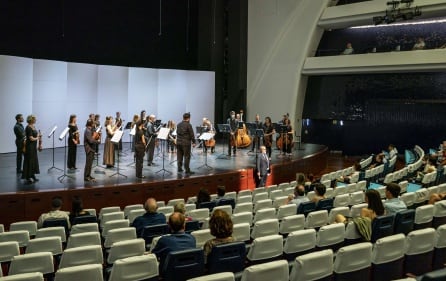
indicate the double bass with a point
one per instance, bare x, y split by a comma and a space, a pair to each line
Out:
242, 138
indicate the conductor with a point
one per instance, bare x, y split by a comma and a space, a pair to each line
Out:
185, 137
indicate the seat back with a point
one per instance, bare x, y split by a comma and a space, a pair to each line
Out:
151, 231
30, 226
81, 255
345, 211
265, 248
306, 207
192, 226
114, 224
388, 256
243, 193
381, 227
299, 242
275, 270
129, 208
404, 221
133, 214
125, 249
356, 198
223, 276
279, 201
208, 205
408, 198
166, 210
84, 239
51, 244
291, 223
199, 214
227, 202
229, 257
80, 272
183, 265
107, 210
353, 262
35, 262
423, 216
243, 207
419, 251
244, 199
325, 204
173, 202
241, 232
85, 219
286, 210
201, 236
262, 204
34, 276
85, 227
355, 210
8, 250
119, 234
439, 214
313, 266
341, 200
265, 228
56, 223
331, 236
242, 217
264, 214
440, 248
225, 208
20, 236
316, 219
135, 268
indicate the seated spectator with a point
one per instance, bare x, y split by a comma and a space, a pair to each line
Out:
377, 160
151, 217
177, 240
55, 213
77, 209
374, 209
391, 152
181, 208
435, 197
429, 167
348, 49
202, 196
298, 197
221, 190
221, 227
419, 45
319, 190
300, 179
393, 204
346, 178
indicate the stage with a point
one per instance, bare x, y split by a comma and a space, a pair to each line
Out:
20, 201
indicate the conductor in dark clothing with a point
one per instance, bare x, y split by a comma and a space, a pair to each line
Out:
185, 137
263, 168
19, 132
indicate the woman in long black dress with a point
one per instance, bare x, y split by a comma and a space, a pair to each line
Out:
73, 141
33, 142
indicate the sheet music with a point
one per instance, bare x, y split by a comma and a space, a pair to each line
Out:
133, 130
117, 136
163, 133
206, 136
64, 132
52, 131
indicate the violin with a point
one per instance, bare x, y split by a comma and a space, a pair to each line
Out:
76, 137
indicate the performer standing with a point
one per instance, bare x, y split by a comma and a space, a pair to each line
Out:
118, 122
233, 124
208, 128
171, 141
140, 145
109, 147
33, 142
89, 145
151, 134
287, 138
73, 141
268, 131
258, 125
96, 125
19, 132
185, 136
263, 167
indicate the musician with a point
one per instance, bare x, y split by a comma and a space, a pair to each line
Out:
258, 125
140, 145
32, 144
109, 147
185, 136
73, 141
89, 146
208, 128
172, 137
287, 137
233, 124
263, 167
118, 121
151, 134
135, 120
96, 125
19, 132
268, 131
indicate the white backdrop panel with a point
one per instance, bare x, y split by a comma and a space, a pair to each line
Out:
201, 100
172, 95
143, 91
15, 96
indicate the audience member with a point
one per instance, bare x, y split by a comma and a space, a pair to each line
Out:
151, 217
77, 209
298, 197
55, 213
392, 151
435, 197
377, 160
319, 190
348, 49
393, 204
221, 227
221, 190
419, 45
181, 208
202, 196
429, 167
347, 178
177, 240
375, 207
300, 179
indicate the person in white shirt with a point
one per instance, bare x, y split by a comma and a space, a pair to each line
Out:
55, 213
419, 45
348, 49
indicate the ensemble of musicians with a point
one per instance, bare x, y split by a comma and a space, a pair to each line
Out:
144, 132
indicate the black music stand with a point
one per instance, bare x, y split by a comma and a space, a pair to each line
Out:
226, 129
51, 134
163, 135
203, 138
115, 141
61, 137
199, 131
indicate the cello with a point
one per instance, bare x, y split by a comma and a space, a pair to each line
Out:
242, 138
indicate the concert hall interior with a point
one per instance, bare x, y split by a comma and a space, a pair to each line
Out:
307, 87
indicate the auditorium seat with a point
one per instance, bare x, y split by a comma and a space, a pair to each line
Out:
81, 255
223, 276
114, 224
192, 226
91, 211
345, 211
404, 221
419, 251
361, 185
265, 228
201, 236
85, 227
265, 249
351, 187
51, 244
439, 260
439, 214
291, 223
161, 203
243, 193
286, 210
30, 226
35, 262
261, 189
129, 208
381, 227
199, 214
242, 217
133, 214
388, 258
173, 202
49, 223
111, 217
80, 272
34, 276
244, 199
340, 190
151, 231
330, 236
299, 242
241, 232
208, 205
316, 219
2, 228
119, 234
327, 203
353, 262
306, 207
265, 214
165, 210
262, 204
259, 196
125, 249
421, 196
85, 219
352, 235
403, 184
311, 195
408, 198
143, 267
7, 251
190, 207
355, 210
21, 236
226, 208
183, 265
227, 257
107, 210
275, 270
423, 216
84, 239
313, 266
356, 197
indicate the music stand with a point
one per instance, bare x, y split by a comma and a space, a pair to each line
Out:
51, 134
224, 128
203, 138
128, 126
163, 134
259, 134
199, 131
115, 141
62, 136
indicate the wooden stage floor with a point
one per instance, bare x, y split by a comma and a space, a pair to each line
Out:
29, 200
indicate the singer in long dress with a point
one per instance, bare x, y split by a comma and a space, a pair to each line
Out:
109, 147
31, 160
